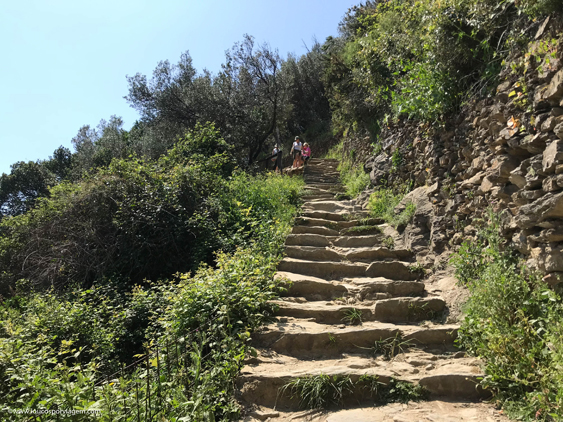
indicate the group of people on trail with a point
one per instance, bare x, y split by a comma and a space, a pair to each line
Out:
301, 153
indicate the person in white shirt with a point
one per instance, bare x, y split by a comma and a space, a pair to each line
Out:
296, 150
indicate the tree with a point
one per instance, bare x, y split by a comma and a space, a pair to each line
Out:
20, 189
59, 163
252, 96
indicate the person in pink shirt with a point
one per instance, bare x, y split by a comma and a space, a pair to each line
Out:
306, 152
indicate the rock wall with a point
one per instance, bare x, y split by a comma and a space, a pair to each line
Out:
503, 151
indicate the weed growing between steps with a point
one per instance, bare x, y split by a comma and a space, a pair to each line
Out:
323, 391
382, 204
390, 347
514, 321
352, 316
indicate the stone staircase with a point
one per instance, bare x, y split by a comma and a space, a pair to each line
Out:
337, 266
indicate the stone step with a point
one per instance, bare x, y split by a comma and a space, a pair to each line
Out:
323, 269
387, 310
378, 253
308, 340
332, 187
312, 253
318, 197
370, 288
264, 378
307, 240
308, 221
316, 171
394, 270
325, 215
409, 309
330, 206
321, 230
315, 288
375, 254
358, 241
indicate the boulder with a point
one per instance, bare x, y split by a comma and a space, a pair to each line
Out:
552, 156
548, 206
381, 167
558, 130
554, 91
547, 258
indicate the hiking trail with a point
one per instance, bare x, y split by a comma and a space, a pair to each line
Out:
341, 265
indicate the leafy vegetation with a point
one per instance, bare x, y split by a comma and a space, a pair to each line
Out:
352, 174
80, 316
382, 205
514, 322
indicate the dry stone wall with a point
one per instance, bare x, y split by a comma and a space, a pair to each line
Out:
504, 151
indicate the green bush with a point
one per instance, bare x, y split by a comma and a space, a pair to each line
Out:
78, 336
382, 205
352, 174
513, 321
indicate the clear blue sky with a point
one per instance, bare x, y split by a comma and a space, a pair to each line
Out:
63, 62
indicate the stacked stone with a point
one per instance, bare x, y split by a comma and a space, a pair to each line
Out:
504, 151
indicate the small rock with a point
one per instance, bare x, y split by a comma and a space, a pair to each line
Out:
263, 415
459, 355
342, 326
429, 367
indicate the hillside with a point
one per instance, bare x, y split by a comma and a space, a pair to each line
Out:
163, 273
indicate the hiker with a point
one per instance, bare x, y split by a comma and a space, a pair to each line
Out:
306, 152
296, 151
277, 158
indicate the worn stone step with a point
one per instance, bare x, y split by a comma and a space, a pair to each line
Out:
308, 339
368, 255
307, 239
390, 310
325, 215
312, 253
315, 288
374, 254
332, 187
394, 270
372, 287
323, 269
330, 206
457, 378
308, 221
321, 311
358, 241
321, 230
408, 309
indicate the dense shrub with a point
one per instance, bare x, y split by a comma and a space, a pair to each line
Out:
514, 322
135, 219
81, 335
421, 58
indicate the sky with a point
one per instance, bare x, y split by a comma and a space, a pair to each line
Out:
63, 63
